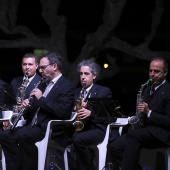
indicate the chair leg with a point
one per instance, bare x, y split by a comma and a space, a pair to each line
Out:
167, 159
42, 149
3, 161
66, 159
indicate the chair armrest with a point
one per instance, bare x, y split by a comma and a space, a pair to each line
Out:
51, 123
120, 122
67, 121
6, 115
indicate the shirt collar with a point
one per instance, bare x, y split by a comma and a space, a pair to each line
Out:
160, 84
88, 89
55, 79
30, 79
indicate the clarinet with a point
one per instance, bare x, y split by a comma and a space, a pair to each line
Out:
23, 110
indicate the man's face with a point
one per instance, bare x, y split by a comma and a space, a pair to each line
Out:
46, 69
86, 76
29, 65
156, 72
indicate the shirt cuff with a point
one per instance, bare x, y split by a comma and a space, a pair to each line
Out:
149, 114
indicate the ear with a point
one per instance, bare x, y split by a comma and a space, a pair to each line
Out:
94, 76
55, 66
36, 65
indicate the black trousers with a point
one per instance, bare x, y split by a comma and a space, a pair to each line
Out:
81, 141
130, 144
19, 147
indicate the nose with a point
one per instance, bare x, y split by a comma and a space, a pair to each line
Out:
27, 66
82, 76
151, 73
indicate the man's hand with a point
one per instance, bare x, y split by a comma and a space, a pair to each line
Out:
37, 93
143, 108
84, 104
83, 113
6, 124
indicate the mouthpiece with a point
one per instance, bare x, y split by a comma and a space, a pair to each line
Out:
26, 72
84, 85
149, 81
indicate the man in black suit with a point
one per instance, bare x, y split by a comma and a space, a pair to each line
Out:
53, 99
155, 110
93, 132
23, 85
29, 67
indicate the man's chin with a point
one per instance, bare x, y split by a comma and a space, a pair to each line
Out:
157, 83
46, 79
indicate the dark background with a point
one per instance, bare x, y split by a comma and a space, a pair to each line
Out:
84, 17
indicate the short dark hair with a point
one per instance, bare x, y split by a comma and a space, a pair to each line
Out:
54, 58
165, 63
31, 55
94, 67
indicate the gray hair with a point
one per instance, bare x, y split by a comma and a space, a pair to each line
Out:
94, 67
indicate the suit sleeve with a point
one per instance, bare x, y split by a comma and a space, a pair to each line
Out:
61, 104
162, 118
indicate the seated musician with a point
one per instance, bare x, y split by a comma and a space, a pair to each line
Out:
93, 132
154, 131
23, 85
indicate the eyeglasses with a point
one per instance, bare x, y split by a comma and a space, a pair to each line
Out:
43, 67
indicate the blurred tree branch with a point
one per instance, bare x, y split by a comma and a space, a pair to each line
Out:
100, 40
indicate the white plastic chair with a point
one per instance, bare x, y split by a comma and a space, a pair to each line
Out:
101, 149
42, 145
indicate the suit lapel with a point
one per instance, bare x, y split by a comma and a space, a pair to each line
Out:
157, 94
31, 85
93, 91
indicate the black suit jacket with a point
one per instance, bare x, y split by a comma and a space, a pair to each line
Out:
96, 91
158, 124
58, 103
17, 81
